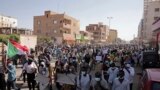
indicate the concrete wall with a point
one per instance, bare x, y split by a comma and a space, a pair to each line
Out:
28, 40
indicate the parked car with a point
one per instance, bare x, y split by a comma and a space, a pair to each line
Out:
150, 59
150, 80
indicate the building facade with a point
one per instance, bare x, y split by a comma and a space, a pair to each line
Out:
86, 37
150, 14
61, 27
100, 32
113, 35
11, 30
7, 21
140, 32
29, 41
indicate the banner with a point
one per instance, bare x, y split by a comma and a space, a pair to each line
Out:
105, 51
66, 79
99, 58
42, 79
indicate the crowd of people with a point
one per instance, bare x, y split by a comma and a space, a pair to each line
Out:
93, 68
98, 74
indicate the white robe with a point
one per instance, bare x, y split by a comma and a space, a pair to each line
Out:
112, 74
129, 76
83, 83
117, 85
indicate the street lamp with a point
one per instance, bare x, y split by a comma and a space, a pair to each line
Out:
109, 18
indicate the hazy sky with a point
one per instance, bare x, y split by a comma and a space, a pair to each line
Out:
126, 13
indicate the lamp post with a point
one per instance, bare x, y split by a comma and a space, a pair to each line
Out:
109, 18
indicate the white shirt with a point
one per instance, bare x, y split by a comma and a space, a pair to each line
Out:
112, 74
84, 82
117, 85
129, 76
30, 68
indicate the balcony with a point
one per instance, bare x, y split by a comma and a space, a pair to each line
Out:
66, 26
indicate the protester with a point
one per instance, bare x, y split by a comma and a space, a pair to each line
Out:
43, 70
11, 80
24, 60
112, 71
129, 74
31, 69
99, 83
120, 83
83, 80
2, 79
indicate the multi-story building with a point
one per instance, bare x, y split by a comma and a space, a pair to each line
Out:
8, 25
150, 14
140, 32
86, 37
100, 32
12, 30
112, 36
61, 27
7, 21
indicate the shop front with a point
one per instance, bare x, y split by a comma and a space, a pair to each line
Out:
78, 38
68, 39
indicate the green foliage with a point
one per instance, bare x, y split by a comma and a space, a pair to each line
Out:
14, 37
4, 38
43, 39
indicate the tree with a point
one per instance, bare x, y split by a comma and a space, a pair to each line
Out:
4, 38
42, 39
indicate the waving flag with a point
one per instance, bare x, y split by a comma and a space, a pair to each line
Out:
15, 48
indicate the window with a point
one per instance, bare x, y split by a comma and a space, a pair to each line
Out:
38, 22
61, 21
95, 32
47, 15
54, 22
74, 24
156, 9
61, 31
55, 31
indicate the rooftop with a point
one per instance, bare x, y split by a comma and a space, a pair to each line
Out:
7, 16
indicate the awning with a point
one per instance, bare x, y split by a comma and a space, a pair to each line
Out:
68, 37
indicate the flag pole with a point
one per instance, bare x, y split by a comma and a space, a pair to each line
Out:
4, 57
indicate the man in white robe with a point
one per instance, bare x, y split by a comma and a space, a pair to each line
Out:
121, 83
129, 74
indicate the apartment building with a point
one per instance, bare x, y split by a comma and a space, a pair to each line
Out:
86, 37
113, 35
7, 21
100, 32
150, 14
61, 27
